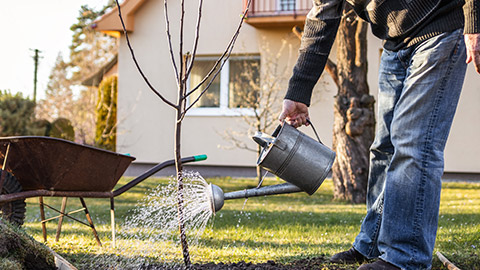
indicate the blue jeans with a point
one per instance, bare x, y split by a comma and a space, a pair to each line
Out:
419, 88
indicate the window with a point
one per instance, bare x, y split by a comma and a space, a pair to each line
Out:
287, 5
212, 97
235, 87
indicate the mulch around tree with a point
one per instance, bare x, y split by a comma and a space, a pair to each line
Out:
302, 264
320, 262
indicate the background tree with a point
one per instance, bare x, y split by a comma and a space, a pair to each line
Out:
58, 95
260, 89
65, 97
84, 119
106, 114
354, 120
60, 103
90, 49
16, 114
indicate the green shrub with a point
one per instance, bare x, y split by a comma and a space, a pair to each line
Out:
106, 114
16, 114
41, 127
62, 128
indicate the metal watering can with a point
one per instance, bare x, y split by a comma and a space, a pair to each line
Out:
289, 154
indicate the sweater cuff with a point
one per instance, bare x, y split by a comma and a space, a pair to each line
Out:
471, 10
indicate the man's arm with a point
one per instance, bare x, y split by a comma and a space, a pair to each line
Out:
318, 36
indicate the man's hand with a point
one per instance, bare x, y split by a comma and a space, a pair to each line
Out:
472, 42
294, 113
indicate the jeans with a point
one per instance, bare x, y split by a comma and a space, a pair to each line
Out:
419, 88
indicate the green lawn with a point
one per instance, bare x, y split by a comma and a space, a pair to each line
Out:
282, 228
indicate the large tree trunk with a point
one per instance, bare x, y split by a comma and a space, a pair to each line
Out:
354, 121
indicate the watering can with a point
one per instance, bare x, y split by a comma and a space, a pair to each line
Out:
301, 161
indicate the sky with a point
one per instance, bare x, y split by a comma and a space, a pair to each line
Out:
26, 25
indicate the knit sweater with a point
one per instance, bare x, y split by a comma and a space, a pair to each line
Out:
399, 23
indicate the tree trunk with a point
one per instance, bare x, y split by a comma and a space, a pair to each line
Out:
179, 167
354, 121
180, 199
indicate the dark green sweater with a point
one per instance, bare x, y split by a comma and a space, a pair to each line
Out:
400, 23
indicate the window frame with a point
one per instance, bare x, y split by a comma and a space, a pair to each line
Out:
223, 109
280, 10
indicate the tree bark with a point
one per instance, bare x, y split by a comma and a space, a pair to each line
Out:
179, 167
354, 121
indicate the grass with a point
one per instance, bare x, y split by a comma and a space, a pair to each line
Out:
282, 228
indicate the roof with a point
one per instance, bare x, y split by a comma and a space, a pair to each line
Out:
107, 69
110, 23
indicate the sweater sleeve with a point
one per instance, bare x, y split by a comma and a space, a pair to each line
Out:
319, 34
471, 10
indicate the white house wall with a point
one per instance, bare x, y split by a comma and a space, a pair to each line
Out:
463, 147
146, 124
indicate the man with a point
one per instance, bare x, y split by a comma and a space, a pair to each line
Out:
427, 44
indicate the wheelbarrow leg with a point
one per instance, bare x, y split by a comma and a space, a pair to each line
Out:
112, 217
3, 175
87, 214
60, 219
42, 216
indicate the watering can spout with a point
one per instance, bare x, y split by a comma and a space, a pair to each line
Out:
264, 140
218, 197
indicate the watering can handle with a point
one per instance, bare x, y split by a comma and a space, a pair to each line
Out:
314, 131
277, 130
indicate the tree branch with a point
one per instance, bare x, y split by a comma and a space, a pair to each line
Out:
169, 37
331, 68
136, 62
197, 36
234, 138
226, 54
361, 51
182, 24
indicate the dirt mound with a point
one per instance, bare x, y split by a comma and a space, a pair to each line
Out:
302, 264
20, 251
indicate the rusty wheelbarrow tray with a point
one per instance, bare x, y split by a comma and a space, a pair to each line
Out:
45, 166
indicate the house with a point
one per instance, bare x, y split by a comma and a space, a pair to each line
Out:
146, 124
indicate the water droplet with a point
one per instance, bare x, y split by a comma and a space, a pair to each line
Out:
151, 229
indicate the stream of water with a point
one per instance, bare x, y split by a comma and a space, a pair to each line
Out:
151, 231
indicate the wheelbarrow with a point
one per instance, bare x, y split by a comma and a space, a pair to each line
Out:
35, 166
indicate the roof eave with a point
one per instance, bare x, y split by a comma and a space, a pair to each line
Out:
110, 22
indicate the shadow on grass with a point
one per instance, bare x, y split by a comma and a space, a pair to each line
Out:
113, 261
259, 219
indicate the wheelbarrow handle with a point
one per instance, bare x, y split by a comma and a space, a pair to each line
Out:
154, 170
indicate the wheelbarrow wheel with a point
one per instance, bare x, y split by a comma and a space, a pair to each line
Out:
12, 211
